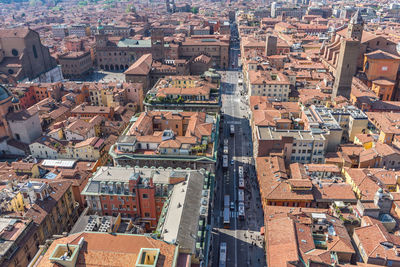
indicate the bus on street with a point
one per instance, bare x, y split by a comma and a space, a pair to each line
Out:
241, 195
232, 129
241, 183
241, 211
240, 170
226, 218
222, 255
241, 177
225, 161
226, 201
226, 148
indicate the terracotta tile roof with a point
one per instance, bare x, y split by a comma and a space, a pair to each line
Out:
379, 54
50, 142
387, 122
80, 127
334, 192
272, 177
264, 77
84, 108
194, 122
372, 238
364, 183
351, 150
19, 165
365, 138
142, 66
382, 150
293, 227
40, 209
322, 168
103, 249
93, 141
281, 248
297, 171
307, 95
266, 117
170, 144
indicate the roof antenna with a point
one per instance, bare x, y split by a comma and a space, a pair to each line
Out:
69, 251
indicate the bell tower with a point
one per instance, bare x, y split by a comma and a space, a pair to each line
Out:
356, 26
348, 57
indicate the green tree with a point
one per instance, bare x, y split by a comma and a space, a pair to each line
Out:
194, 10
130, 8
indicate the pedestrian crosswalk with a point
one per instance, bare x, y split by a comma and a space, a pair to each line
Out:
234, 122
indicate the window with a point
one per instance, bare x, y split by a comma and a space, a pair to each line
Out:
145, 196
34, 51
105, 206
146, 214
14, 52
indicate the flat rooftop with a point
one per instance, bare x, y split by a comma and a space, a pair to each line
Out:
114, 175
266, 133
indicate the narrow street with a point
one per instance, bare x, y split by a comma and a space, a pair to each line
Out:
244, 242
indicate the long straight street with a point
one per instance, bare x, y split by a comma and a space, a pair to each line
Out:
244, 242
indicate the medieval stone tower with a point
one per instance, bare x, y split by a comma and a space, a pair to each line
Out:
356, 26
348, 56
157, 44
270, 45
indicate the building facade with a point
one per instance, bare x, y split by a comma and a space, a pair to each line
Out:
23, 46
76, 64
